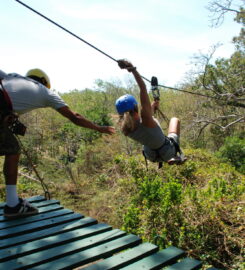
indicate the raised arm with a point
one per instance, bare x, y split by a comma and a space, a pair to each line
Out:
146, 107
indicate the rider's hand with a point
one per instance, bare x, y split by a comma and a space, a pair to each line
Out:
155, 105
124, 64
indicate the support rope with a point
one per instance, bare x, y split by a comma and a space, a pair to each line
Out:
44, 186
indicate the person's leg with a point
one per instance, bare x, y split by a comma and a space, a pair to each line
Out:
174, 133
15, 206
174, 126
10, 171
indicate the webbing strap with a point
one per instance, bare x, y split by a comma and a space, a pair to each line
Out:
6, 97
176, 145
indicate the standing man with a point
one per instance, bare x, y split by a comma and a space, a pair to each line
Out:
19, 95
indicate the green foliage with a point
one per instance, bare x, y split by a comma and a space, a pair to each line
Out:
233, 151
196, 206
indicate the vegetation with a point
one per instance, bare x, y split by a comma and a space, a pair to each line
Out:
198, 206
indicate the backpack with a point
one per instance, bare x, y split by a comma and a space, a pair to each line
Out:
7, 116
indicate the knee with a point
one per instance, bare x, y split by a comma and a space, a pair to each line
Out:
175, 119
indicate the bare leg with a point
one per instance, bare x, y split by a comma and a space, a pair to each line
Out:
174, 126
10, 169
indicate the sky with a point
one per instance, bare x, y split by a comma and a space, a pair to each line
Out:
160, 37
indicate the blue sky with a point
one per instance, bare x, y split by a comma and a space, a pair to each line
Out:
160, 37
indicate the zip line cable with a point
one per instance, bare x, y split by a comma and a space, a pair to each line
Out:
181, 90
66, 30
112, 58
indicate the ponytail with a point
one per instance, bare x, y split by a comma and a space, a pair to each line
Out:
127, 121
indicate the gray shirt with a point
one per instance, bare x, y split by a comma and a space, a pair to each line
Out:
27, 94
152, 139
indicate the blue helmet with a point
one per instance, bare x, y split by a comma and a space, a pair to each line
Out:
125, 103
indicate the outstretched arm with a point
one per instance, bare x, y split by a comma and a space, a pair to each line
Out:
81, 121
146, 107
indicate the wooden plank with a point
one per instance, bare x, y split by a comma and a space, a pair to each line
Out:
35, 226
186, 264
43, 209
52, 241
31, 200
158, 260
39, 204
34, 218
70, 224
67, 249
125, 258
91, 254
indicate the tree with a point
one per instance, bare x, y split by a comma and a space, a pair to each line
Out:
223, 80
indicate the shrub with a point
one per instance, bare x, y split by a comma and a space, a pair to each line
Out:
233, 151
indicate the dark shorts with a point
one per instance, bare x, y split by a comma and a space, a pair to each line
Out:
8, 142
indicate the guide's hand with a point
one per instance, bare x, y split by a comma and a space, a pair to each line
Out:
107, 129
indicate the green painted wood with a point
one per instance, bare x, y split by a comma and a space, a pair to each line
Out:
43, 209
125, 258
158, 260
74, 222
67, 249
57, 238
52, 241
35, 218
39, 204
31, 200
186, 264
91, 254
31, 227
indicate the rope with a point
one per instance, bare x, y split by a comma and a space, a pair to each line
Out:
112, 58
44, 186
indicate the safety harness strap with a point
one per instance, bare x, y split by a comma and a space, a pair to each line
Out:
6, 98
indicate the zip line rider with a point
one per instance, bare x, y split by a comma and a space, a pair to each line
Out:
144, 128
19, 95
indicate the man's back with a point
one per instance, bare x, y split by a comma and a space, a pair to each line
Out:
27, 94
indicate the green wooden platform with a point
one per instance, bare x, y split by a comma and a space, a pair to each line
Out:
58, 238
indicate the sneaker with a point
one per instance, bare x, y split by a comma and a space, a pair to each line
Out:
177, 160
22, 209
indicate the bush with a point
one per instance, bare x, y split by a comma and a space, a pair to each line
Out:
233, 151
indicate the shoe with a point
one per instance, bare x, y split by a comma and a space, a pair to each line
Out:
177, 160
22, 209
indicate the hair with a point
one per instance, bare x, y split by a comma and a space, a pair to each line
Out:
127, 121
38, 79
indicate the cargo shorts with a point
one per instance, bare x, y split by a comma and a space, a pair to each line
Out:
9, 145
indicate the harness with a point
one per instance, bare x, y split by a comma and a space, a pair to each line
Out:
7, 116
6, 107
158, 155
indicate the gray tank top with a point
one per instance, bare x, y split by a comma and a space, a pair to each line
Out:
152, 139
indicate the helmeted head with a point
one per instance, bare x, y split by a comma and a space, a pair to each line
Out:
125, 103
40, 76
